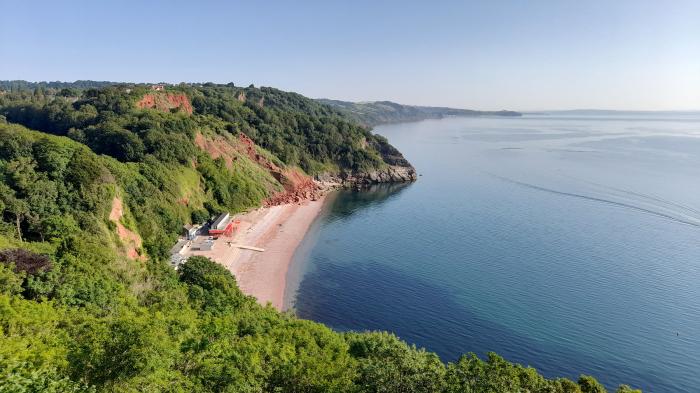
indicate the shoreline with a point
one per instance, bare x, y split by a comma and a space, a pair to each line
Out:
302, 253
279, 230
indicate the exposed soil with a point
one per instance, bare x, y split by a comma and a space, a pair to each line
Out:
166, 102
217, 147
297, 186
248, 147
132, 241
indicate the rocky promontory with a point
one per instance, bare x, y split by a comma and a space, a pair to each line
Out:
388, 174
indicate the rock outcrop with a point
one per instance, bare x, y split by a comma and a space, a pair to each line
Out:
389, 174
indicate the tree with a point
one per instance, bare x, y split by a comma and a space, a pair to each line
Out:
627, 389
590, 385
10, 282
386, 364
58, 228
17, 207
68, 92
211, 287
52, 156
200, 215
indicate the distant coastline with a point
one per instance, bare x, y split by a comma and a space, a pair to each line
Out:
374, 113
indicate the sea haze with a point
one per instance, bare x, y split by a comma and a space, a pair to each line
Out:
570, 243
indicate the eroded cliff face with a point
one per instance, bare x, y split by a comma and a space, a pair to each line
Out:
131, 241
296, 186
166, 102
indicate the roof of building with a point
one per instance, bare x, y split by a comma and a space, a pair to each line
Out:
189, 227
220, 221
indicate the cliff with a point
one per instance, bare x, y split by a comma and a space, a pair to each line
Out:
166, 102
290, 184
389, 174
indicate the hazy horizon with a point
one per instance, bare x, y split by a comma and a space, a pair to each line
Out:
540, 56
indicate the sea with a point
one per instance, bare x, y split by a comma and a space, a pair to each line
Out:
567, 242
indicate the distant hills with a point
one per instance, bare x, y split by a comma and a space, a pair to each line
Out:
368, 114
22, 85
383, 112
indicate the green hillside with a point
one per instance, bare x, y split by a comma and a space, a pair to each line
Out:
94, 194
383, 112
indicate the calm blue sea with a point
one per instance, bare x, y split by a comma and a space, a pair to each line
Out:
570, 244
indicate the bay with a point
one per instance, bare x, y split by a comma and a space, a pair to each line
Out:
567, 243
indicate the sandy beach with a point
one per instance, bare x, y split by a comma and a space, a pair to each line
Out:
278, 230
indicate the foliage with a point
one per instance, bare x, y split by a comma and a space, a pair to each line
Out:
212, 288
298, 130
18, 85
387, 364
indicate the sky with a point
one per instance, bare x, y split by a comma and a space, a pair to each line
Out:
488, 55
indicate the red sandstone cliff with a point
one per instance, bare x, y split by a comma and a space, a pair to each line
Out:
166, 102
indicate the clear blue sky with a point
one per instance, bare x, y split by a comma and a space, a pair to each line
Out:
523, 55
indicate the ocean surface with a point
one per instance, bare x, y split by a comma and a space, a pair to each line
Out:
570, 244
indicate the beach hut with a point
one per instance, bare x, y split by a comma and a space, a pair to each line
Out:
221, 221
223, 225
191, 231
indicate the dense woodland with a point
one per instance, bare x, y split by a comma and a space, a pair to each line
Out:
78, 315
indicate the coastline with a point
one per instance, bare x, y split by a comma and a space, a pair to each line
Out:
265, 252
279, 230
302, 253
